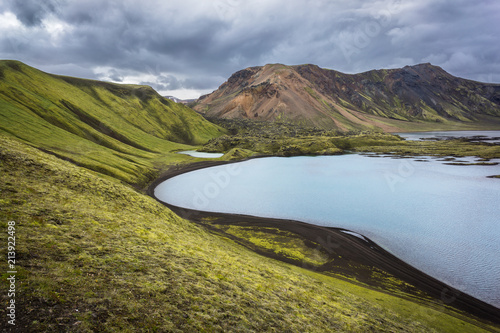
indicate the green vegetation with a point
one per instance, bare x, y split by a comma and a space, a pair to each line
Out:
277, 147
288, 139
282, 243
482, 123
280, 138
124, 131
95, 254
317, 255
238, 154
457, 148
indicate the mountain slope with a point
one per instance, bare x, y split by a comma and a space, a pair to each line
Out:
93, 255
421, 95
93, 123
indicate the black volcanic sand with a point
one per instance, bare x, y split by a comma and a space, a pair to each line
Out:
360, 257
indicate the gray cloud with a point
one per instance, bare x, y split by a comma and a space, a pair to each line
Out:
31, 12
196, 45
115, 75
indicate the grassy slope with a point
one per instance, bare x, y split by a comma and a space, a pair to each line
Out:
95, 255
119, 130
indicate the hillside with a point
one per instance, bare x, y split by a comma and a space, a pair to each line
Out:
411, 98
118, 130
94, 253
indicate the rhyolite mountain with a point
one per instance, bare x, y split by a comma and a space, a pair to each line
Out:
413, 97
96, 254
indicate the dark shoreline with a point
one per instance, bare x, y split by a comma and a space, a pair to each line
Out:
358, 251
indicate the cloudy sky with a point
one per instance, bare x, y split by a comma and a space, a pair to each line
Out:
187, 48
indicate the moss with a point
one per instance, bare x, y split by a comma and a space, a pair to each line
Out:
293, 140
436, 148
96, 255
238, 154
281, 243
123, 131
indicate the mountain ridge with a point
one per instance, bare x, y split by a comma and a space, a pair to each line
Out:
129, 126
385, 99
95, 254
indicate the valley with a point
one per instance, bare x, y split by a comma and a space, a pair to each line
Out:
96, 252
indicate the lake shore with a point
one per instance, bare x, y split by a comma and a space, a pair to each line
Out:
360, 255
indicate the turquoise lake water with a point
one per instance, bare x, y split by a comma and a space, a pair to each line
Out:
201, 154
442, 219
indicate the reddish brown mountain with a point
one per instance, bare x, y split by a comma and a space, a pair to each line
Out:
413, 97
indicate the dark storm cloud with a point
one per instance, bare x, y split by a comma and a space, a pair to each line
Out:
31, 12
196, 45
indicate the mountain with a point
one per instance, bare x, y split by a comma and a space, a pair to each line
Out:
178, 100
420, 96
126, 126
94, 253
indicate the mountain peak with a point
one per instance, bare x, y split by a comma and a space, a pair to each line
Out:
428, 68
425, 64
378, 99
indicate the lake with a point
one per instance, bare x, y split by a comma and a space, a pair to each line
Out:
442, 219
486, 136
201, 154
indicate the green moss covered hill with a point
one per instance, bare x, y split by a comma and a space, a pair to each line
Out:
94, 254
119, 130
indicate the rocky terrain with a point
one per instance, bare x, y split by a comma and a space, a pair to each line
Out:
419, 97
